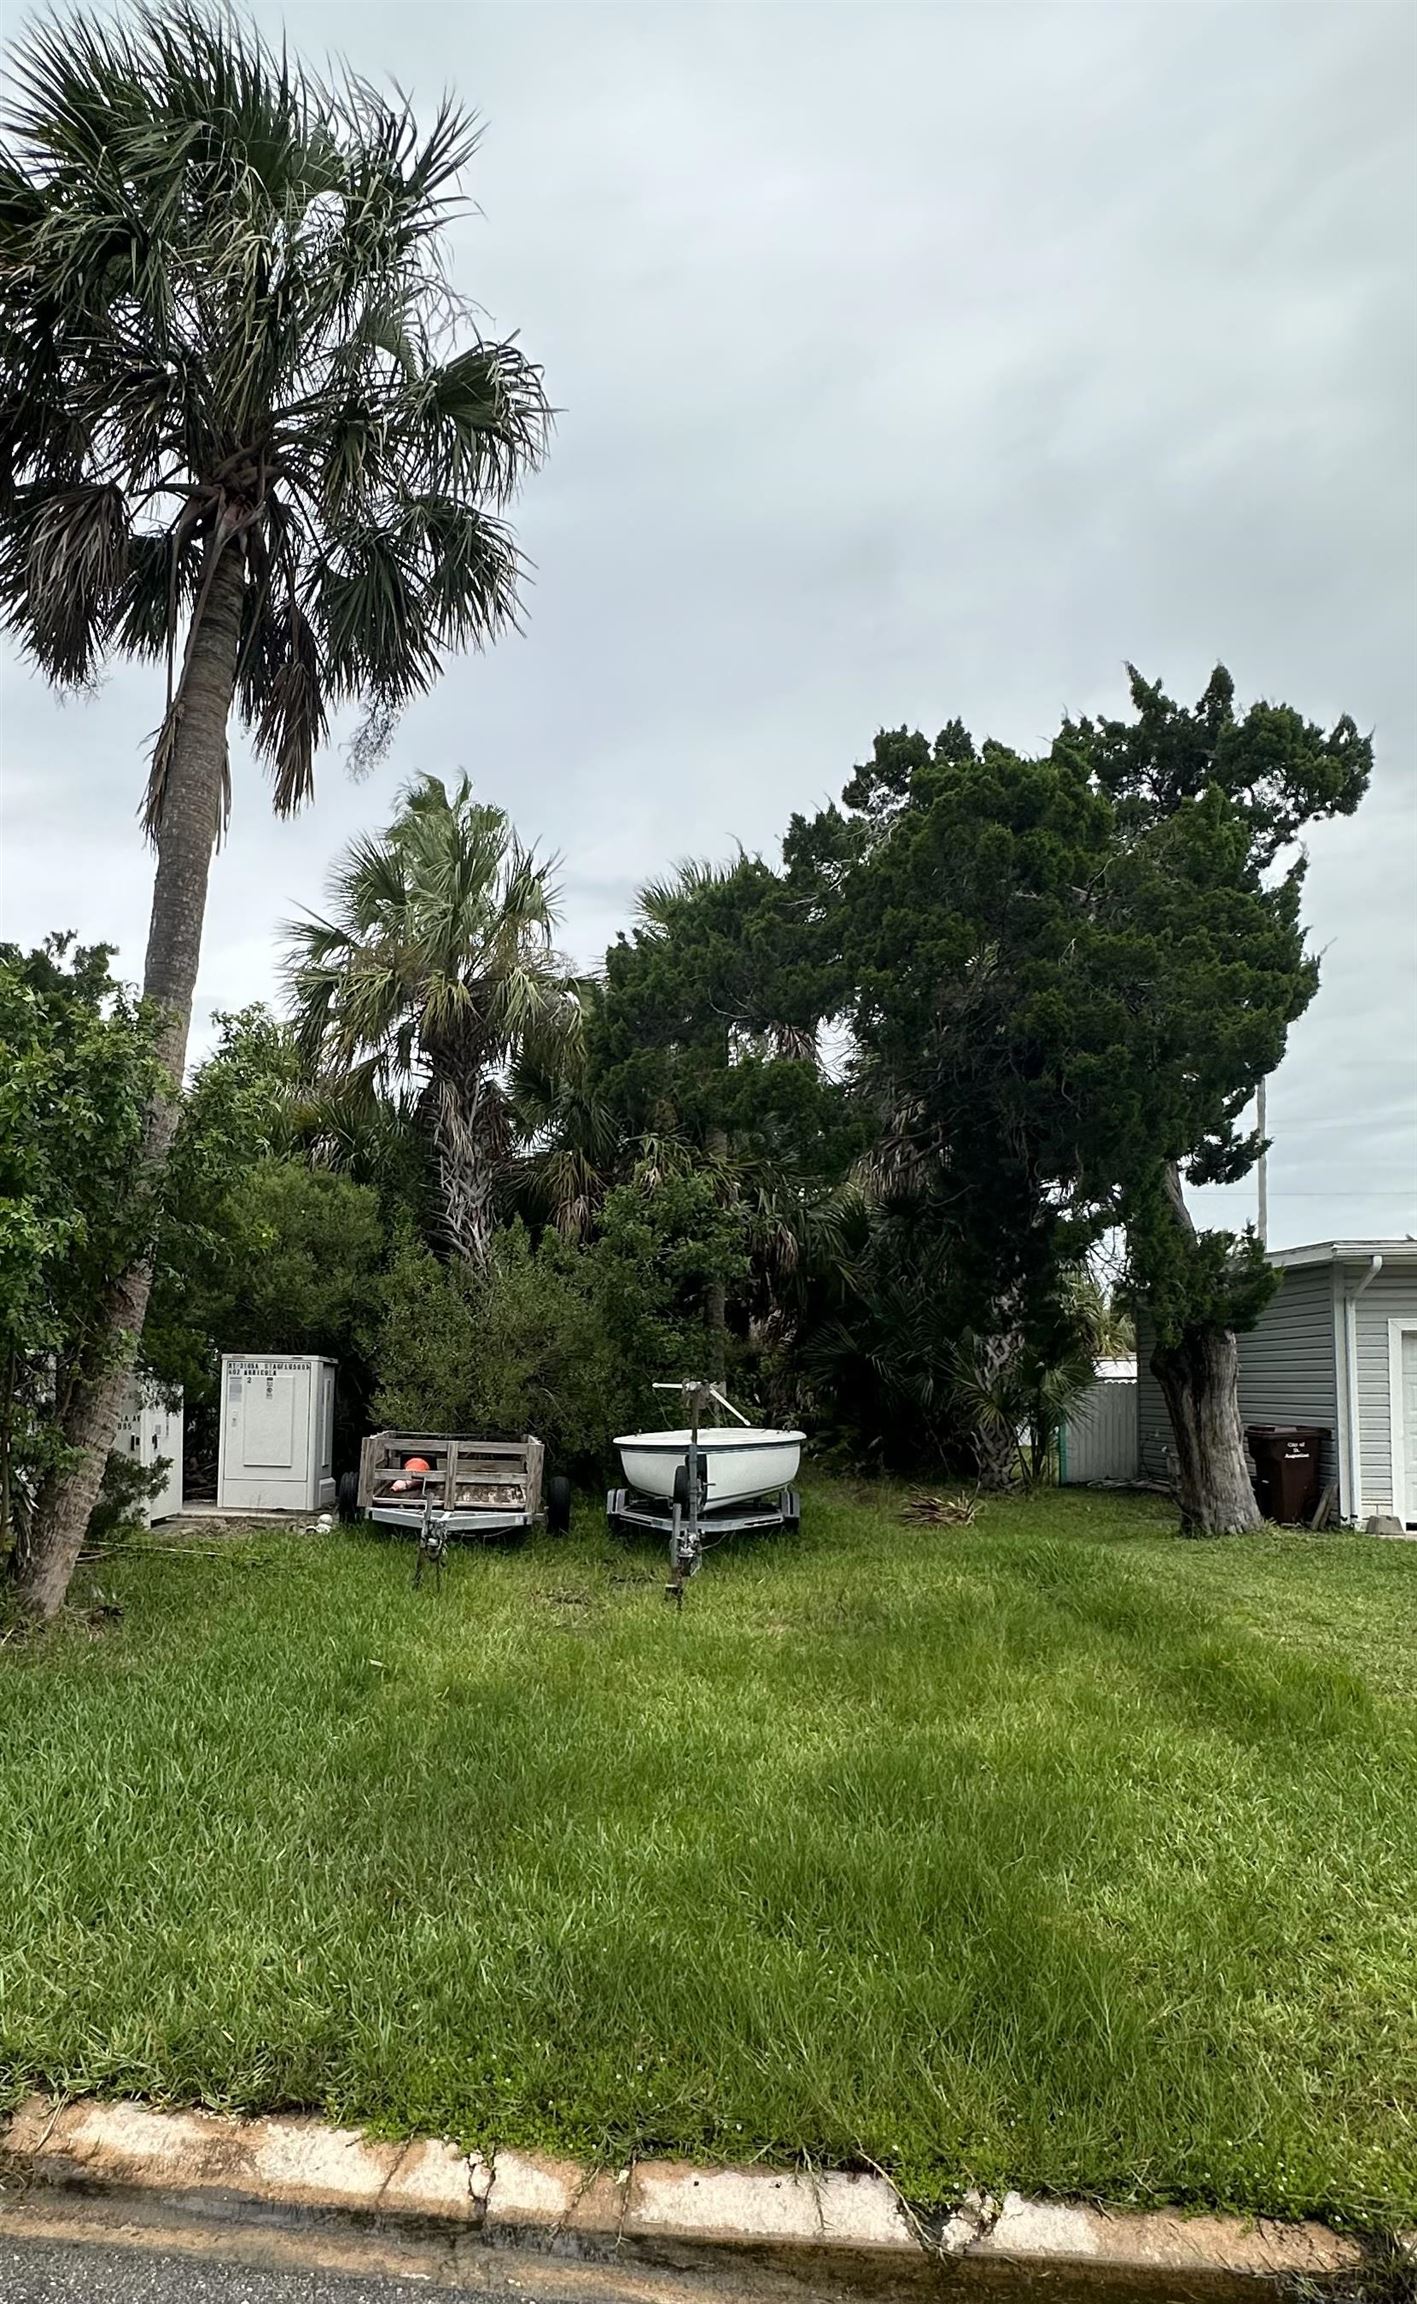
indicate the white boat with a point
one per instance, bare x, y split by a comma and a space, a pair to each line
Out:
739, 1461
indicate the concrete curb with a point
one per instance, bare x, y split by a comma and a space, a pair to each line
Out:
846, 2227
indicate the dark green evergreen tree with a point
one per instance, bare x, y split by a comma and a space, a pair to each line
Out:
1068, 976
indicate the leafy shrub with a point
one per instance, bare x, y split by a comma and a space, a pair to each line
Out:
427, 1340
271, 1256
76, 1070
669, 1248
519, 1348
557, 1339
128, 1485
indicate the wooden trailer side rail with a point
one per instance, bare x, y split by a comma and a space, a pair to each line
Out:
458, 1464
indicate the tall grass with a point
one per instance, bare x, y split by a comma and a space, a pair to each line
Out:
1048, 1852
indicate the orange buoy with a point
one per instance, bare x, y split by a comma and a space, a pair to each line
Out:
416, 1464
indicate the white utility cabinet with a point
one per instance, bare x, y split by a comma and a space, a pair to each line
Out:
152, 1428
277, 1433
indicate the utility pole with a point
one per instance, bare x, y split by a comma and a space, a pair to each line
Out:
1263, 1175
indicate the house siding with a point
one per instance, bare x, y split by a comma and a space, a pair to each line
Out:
1392, 1296
1288, 1374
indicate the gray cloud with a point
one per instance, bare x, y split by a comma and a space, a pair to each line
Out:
912, 361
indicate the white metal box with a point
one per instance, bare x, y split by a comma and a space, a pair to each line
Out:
151, 1429
276, 1451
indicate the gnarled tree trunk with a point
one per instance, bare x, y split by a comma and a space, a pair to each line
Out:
191, 814
1199, 1378
1200, 1381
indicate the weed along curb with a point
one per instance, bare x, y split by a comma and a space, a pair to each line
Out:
845, 2235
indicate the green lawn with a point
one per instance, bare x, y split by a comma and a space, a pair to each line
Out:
1052, 1852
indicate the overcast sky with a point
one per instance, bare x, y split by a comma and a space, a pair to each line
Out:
913, 361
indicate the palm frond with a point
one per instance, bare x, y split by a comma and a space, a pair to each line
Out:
64, 559
660, 902
225, 307
282, 699
435, 966
154, 596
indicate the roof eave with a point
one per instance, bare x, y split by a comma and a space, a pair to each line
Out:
1345, 1252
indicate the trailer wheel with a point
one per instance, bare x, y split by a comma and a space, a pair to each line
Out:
681, 1487
791, 1510
347, 1498
558, 1504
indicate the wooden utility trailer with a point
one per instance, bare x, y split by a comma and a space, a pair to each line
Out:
471, 1487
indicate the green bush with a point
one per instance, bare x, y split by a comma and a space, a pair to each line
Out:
427, 1341
128, 1485
557, 1339
669, 1248
286, 1258
76, 1070
520, 1348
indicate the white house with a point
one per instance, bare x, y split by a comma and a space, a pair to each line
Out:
1335, 1346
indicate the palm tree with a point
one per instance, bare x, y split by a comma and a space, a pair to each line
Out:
438, 969
570, 1149
248, 431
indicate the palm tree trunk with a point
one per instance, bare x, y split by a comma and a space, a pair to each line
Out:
191, 813
995, 1456
469, 1134
994, 1434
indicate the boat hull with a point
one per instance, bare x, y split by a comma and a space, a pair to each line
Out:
746, 1462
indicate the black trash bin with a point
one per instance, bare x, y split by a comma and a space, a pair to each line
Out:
1287, 1458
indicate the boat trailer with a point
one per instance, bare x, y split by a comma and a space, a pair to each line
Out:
686, 1518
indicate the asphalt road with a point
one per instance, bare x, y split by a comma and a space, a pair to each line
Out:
48, 2272
232, 2265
